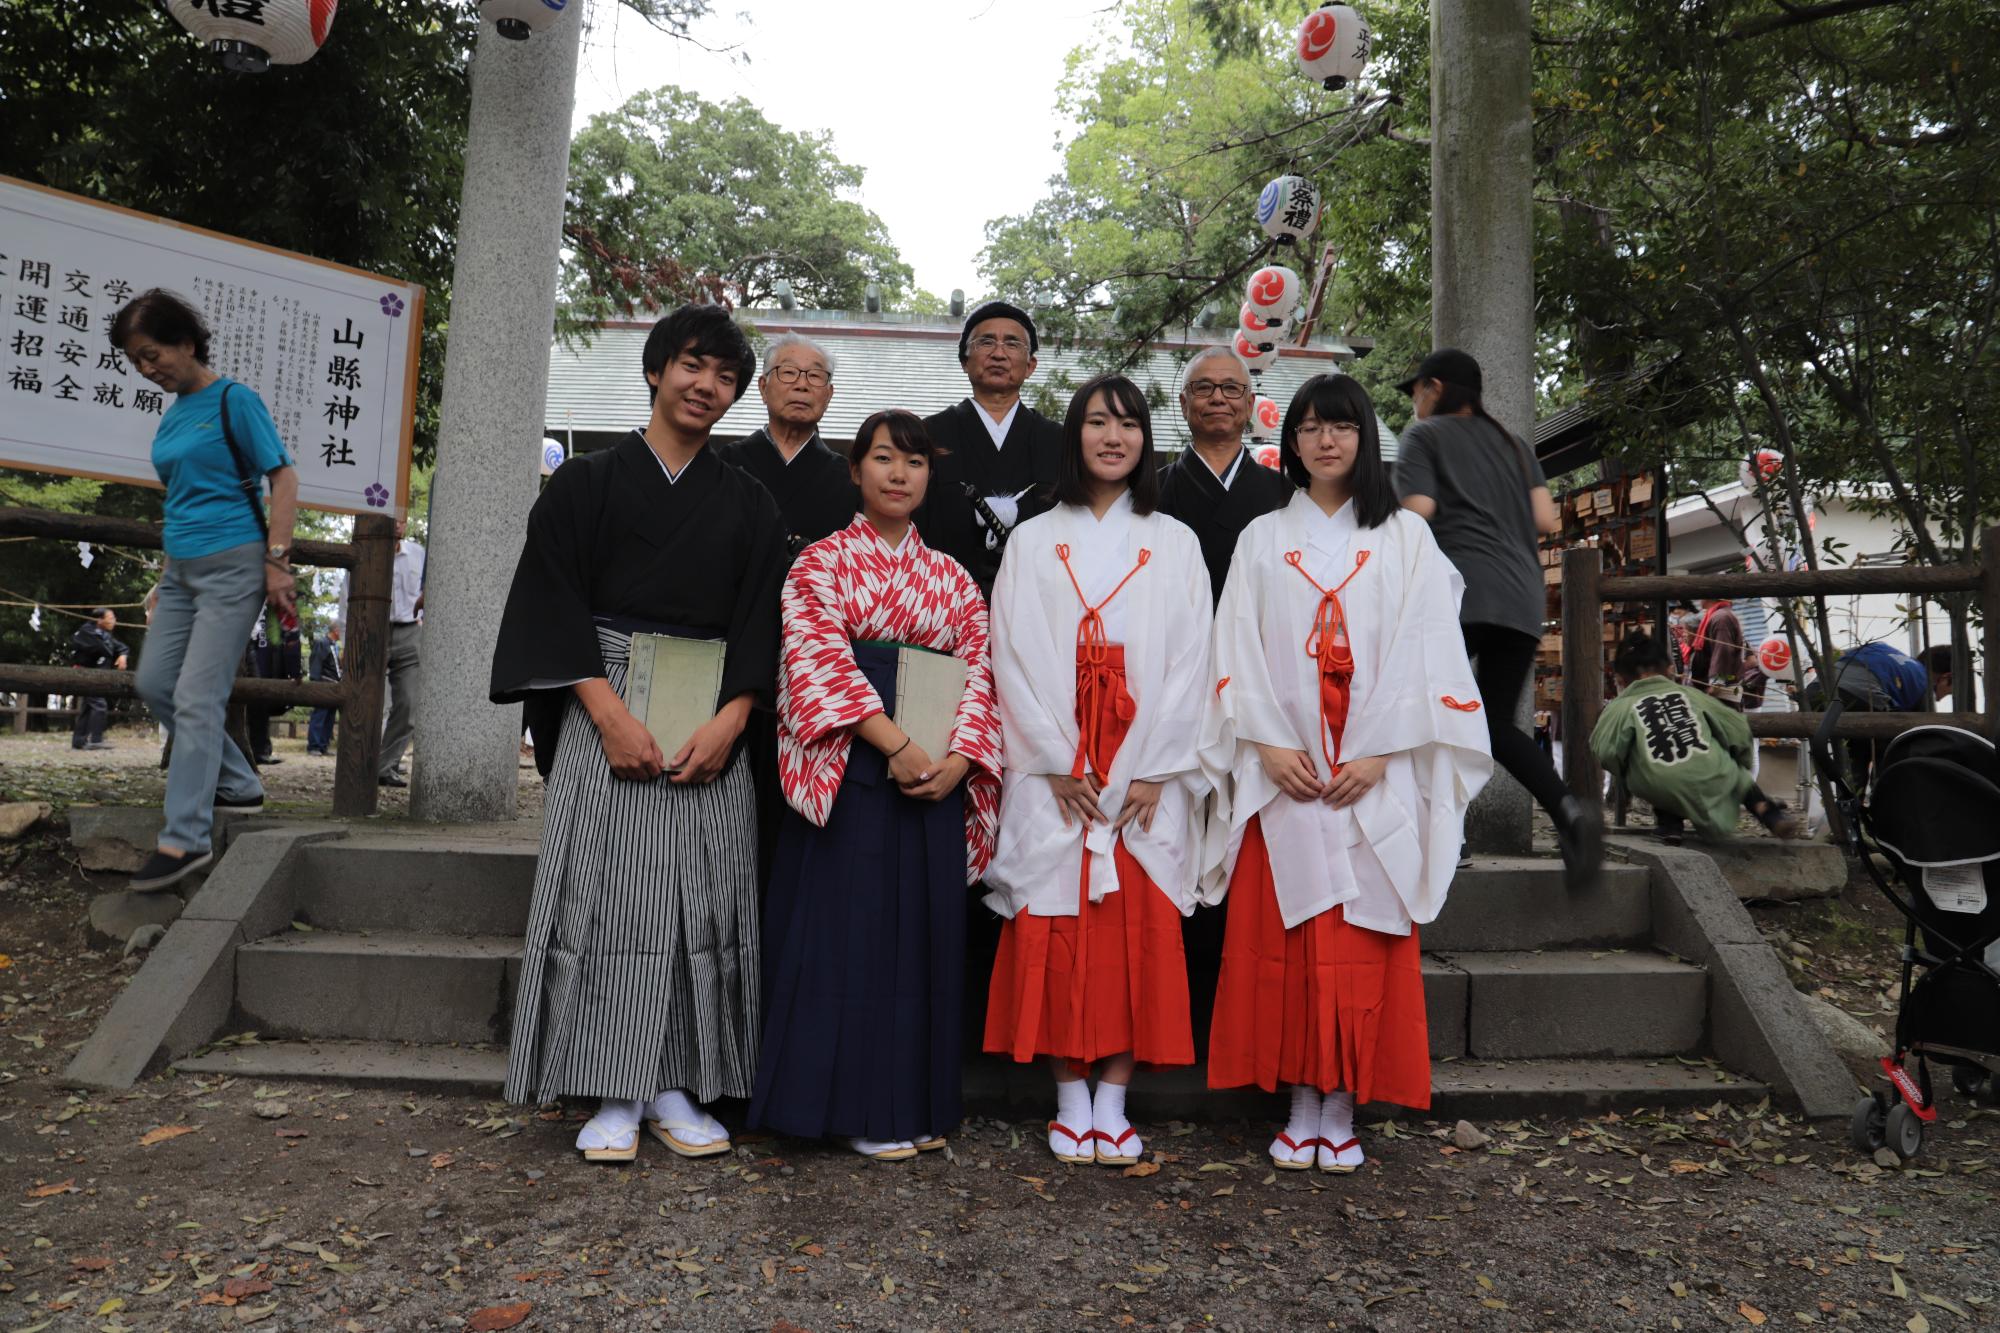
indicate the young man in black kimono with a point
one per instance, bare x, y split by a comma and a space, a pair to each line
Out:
1216, 488
993, 443
639, 982
816, 496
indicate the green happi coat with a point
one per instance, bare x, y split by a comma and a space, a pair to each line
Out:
1679, 750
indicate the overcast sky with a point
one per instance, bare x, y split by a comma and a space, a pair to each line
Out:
949, 105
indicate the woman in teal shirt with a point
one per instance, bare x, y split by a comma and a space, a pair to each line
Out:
224, 562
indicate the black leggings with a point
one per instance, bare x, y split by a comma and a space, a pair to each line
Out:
1501, 661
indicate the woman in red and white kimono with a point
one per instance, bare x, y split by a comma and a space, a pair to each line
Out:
1345, 739
864, 930
1101, 615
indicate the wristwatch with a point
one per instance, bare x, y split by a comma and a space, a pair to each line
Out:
277, 554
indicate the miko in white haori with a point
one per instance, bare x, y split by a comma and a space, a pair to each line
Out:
1101, 617
1344, 738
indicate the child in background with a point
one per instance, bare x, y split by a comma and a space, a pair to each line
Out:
1686, 754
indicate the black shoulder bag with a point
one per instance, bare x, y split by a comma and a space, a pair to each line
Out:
246, 477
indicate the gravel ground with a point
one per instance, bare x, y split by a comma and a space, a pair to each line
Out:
213, 1204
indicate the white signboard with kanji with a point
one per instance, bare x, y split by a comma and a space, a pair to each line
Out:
331, 350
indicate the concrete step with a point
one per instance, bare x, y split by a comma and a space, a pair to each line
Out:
384, 986
1519, 902
1461, 1089
466, 887
1569, 1003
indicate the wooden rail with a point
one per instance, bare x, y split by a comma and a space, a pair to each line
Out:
364, 657
1586, 588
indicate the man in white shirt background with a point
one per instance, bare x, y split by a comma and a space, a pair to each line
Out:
406, 612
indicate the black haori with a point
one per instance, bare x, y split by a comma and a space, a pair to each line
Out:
640, 972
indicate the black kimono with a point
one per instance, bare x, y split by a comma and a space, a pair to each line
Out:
1029, 457
815, 492
1193, 494
640, 971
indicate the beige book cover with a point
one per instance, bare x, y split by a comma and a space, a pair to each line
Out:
672, 685
929, 687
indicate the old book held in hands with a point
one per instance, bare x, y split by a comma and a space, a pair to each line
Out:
929, 687
672, 686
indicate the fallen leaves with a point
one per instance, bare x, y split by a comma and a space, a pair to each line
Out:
50, 1191
1141, 1169
163, 1133
496, 1317
1751, 1312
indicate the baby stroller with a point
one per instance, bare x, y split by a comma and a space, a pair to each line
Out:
1934, 814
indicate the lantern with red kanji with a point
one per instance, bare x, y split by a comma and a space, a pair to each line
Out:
1266, 418
1333, 45
253, 35
1273, 292
1288, 209
518, 19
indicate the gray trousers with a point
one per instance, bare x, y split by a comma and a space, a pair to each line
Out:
186, 670
404, 641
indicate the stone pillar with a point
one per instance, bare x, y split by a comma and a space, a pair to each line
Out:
1482, 259
495, 390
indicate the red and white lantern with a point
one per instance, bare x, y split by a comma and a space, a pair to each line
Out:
1259, 326
1266, 418
253, 35
516, 20
1260, 356
1333, 45
1274, 292
1761, 467
1270, 456
1774, 656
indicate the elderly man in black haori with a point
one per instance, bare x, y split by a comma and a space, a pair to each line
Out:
1216, 488
999, 455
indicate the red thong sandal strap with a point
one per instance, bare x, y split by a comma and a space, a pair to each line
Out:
1315, 1142
1118, 1142
1057, 1127
1341, 1147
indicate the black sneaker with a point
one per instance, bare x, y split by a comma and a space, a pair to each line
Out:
162, 871
392, 780
239, 803
1671, 828
1580, 834
268, 760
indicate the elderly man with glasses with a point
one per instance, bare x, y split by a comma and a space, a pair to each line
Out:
1001, 455
816, 496
1215, 487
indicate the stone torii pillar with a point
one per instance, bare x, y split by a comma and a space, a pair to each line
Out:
495, 390
1483, 262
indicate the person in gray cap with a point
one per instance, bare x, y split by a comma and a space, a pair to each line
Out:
1483, 492
998, 455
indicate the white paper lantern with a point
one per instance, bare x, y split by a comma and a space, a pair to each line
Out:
516, 19
253, 35
1260, 356
1266, 418
1274, 291
1270, 456
1333, 45
1258, 325
1288, 209
553, 455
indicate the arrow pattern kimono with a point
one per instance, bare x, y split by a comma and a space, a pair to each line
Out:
853, 586
864, 926
1343, 643
1101, 662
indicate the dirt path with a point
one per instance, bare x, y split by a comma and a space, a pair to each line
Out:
192, 1204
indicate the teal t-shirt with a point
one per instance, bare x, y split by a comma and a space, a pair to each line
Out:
205, 508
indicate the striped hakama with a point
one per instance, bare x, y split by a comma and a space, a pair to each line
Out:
641, 969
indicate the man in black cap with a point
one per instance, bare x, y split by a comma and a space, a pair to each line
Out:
997, 448
94, 645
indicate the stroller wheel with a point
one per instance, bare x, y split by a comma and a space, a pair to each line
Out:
1904, 1132
1866, 1127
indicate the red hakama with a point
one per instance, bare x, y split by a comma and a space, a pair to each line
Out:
1112, 978
1327, 1004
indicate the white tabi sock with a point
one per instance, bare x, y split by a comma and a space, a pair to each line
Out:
686, 1121
872, 1147
615, 1125
1073, 1114
1336, 1126
1301, 1129
1107, 1117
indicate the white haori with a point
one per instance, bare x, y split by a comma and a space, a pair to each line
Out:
1162, 618
1389, 858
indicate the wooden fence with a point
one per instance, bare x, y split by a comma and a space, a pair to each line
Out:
364, 656
1586, 588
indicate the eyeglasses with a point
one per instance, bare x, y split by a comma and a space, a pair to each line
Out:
1010, 344
1339, 430
818, 379
1229, 389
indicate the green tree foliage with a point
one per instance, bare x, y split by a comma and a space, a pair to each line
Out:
672, 197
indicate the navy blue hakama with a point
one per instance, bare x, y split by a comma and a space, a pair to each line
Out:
864, 949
